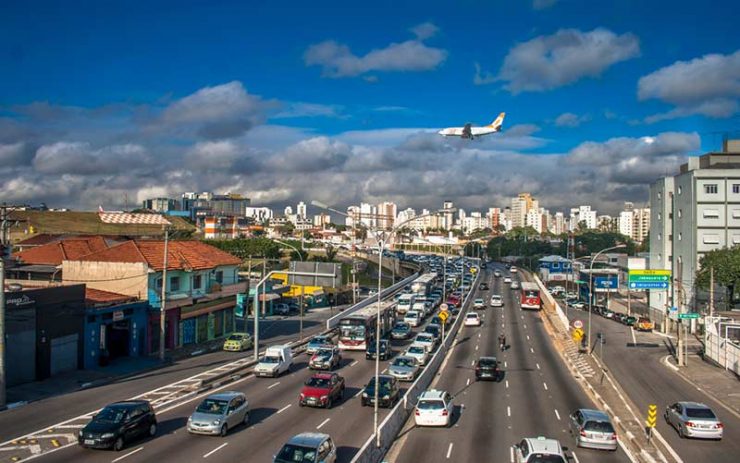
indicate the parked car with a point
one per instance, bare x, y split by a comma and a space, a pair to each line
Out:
326, 358
404, 368
388, 394
539, 449
119, 423
386, 351
308, 447
318, 342
644, 324
694, 419
218, 413
238, 342
401, 330
472, 319
322, 390
419, 352
487, 368
434, 408
281, 309
593, 429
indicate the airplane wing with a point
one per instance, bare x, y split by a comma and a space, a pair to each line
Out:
467, 132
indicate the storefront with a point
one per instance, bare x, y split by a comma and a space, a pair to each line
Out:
207, 321
172, 319
115, 331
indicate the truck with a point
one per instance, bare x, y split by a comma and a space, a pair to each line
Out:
276, 361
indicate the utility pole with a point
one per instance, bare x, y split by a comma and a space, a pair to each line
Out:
3, 242
711, 291
163, 300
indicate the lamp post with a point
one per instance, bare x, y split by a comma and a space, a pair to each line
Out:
300, 298
591, 285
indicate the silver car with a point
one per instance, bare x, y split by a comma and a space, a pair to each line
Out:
593, 429
404, 368
693, 419
218, 413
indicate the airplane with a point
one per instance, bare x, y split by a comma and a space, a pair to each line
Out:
471, 133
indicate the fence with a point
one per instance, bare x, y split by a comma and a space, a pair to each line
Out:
721, 342
550, 301
389, 428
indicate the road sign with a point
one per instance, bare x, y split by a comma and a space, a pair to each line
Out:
443, 316
649, 279
577, 324
473, 270
648, 284
652, 416
577, 335
444, 307
651, 272
688, 316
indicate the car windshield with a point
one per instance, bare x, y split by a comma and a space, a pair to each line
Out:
416, 350
479, 301
236, 337
355, 333
270, 360
111, 414
385, 386
401, 327
425, 338
700, 413
317, 382
404, 362
426, 404
320, 340
538, 458
212, 407
472, 315
487, 362
324, 352
599, 426
296, 454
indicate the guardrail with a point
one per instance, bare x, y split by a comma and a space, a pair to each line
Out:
545, 295
394, 421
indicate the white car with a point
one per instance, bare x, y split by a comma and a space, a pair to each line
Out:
479, 304
497, 301
434, 408
513, 269
472, 319
413, 318
507, 280
537, 449
419, 352
426, 340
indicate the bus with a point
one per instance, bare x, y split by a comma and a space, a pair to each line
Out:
423, 285
357, 330
530, 296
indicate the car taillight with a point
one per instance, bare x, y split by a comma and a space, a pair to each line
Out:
583, 433
690, 424
477, 368
444, 412
719, 426
614, 436
416, 412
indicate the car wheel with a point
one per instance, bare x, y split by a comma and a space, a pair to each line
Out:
152, 429
328, 402
118, 444
224, 431
578, 441
681, 432
245, 422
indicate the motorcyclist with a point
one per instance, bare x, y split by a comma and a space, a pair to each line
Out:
502, 341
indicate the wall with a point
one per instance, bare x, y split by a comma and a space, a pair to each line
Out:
117, 277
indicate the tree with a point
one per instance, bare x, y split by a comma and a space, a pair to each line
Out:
243, 248
331, 253
287, 229
726, 265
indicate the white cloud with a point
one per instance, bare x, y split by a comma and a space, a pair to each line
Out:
80, 158
337, 60
543, 4
299, 109
570, 120
483, 77
551, 61
709, 85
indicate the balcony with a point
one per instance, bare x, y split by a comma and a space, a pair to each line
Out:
217, 290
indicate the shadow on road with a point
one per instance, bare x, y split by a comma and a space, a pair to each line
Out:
260, 414
171, 425
345, 453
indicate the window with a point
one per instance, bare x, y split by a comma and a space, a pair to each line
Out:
660, 236
711, 239
220, 276
736, 213
197, 281
158, 283
175, 284
711, 214
680, 236
710, 188
736, 188
735, 239
660, 216
680, 213
680, 189
660, 196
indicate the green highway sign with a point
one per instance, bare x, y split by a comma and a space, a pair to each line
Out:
688, 316
649, 279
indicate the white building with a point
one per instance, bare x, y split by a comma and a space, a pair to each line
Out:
474, 222
321, 220
288, 211
534, 219
301, 210
448, 221
634, 223
558, 225
520, 206
583, 214
387, 212
258, 214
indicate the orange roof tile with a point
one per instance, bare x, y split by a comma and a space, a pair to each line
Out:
98, 296
68, 248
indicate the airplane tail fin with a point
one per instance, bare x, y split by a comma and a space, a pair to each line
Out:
496, 124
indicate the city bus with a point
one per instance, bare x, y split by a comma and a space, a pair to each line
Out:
422, 286
530, 296
357, 330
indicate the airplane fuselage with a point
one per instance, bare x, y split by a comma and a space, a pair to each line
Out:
467, 132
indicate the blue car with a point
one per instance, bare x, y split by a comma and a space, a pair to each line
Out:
401, 330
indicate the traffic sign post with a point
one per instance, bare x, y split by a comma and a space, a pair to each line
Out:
649, 279
689, 316
652, 419
577, 324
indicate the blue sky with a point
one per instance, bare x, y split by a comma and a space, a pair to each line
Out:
348, 88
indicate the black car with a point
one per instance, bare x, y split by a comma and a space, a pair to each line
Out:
117, 424
486, 368
434, 329
483, 287
388, 394
385, 350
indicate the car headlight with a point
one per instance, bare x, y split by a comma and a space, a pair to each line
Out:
80, 433
107, 435
324, 397
216, 422
364, 395
386, 397
303, 396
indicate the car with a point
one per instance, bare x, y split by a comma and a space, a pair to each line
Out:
388, 394
513, 269
571, 295
507, 280
644, 324
619, 316
318, 342
515, 284
281, 309
118, 423
401, 330
483, 286
427, 340
435, 329
607, 313
497, 274
326, 358
496, 301
218, 413
629, 320
308, 447
539, 450
238, 342
487, 368
434, 408
694, 419
413, 318
386, 351
404, 368
479, 304
276, 361
577, 305
593, 429
322, 390
472, 319
419, 352
556, 290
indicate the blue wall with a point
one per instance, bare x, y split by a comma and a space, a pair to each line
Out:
136, 315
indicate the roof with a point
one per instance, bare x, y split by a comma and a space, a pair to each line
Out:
694, 405
594, 414
181, 255
432, 394
38, 240
544, 445
225, 395
65, 249
96, 297
554, 258
308, 439
323, 375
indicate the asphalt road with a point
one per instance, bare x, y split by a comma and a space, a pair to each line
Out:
637, 364
534, 398
275, 417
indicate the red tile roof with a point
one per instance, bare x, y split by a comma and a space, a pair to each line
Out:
181, 255
39, 240
67, 249
95, 297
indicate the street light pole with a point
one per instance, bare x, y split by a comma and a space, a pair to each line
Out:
591, 286
163, 300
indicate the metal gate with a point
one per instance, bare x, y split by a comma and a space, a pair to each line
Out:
64, 354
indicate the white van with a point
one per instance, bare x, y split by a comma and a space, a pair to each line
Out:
413, 318
421, 307
277, 360
405, 303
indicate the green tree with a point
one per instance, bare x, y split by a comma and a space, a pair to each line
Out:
726, 265
245, 247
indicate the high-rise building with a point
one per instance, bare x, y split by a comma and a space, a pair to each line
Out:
206, 203
634, 222
448, 216
475, 221
583, 214
288, 211
558, 225
301, 210
520, 206
321, 220
387, 212
161, 204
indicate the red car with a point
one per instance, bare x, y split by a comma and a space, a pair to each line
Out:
322, 390
453, 300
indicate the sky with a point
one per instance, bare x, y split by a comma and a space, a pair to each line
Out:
109, 103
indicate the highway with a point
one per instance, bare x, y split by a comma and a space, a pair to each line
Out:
275, 417
534, 398
635, 359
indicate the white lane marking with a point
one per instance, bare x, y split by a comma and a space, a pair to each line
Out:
505, 364
557, 414
538, 365
323, 423
575, 457
511, 454
508, 411
354, 363
479, 335
215, 450
632, 330
527, 337
531, 350
128, 454
449, 451
525, 326
273, 385
467, 383
472, 363
476, 347
545, 384
285, 408
507, 384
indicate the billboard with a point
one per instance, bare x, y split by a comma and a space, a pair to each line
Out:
316, 268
